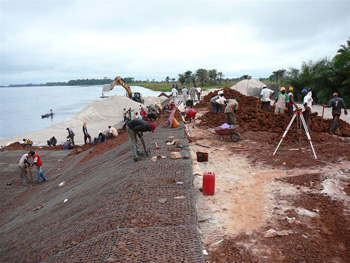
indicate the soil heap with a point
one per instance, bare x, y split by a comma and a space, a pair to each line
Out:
250, 117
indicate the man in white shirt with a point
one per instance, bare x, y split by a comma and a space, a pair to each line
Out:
199, 93
174, 92
184, 95
265, 97
220, 102
307, 103
22, 166
112, 132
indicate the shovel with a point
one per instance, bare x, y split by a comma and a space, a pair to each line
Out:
144, 145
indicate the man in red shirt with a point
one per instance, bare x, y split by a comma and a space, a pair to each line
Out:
38, 163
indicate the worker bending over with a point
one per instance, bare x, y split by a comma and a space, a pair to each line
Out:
230, 110
22, 166
137, 127
38, 163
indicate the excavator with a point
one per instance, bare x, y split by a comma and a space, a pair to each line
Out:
136, 96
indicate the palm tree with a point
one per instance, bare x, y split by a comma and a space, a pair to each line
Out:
188, 75
167, 79
202, 76
342, 68
213, 75
220, 76
182, 78
279, 75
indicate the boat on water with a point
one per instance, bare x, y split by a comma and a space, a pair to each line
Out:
49, 114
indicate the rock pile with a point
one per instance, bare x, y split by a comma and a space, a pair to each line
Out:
250, 117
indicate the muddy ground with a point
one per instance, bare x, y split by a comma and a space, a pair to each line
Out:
290, 208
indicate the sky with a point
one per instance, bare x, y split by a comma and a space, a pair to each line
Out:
48, 41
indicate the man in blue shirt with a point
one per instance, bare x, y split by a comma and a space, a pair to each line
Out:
336, 103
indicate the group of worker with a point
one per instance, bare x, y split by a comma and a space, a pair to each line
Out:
218, 102
286, 100
24, 163
195, 93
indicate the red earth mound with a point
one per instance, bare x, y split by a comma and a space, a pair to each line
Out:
249, 117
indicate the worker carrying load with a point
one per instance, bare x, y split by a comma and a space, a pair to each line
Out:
336, 104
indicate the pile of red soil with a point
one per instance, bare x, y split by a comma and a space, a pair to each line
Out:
249, 117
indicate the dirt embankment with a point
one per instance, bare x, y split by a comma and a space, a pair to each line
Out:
249, 117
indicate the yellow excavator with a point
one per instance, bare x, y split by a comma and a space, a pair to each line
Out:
136, 96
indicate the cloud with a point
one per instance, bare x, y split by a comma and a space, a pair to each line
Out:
44, 41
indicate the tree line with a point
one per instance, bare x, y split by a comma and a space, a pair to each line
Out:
324, 77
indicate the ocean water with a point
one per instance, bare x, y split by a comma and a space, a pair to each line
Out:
21, 107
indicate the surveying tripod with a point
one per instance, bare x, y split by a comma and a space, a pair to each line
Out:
300, 120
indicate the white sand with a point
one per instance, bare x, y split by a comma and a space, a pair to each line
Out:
98, 115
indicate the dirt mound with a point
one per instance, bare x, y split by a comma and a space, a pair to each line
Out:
249, 117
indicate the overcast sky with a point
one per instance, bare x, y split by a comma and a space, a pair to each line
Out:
45, 41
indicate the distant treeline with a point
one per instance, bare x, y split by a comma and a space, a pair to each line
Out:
80, 82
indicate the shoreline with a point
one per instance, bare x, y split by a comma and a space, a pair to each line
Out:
98, 115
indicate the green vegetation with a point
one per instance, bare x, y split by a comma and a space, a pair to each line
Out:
323, 77
166, 87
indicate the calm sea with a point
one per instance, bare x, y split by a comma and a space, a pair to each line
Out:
21, 107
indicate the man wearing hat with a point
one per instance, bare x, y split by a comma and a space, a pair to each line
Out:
336, 103
138, 127
281, 101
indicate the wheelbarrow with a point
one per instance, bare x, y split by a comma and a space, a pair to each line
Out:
226, 133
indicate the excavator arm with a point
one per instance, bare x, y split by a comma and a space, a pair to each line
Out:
120, 81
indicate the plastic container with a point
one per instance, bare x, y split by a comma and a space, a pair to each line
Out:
175, 123
202, 157
208, 183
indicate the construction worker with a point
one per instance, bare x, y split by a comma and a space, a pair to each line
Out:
27, 142
265, 97
336, 103
100, 137
192, 92
291, 101
280, 101
38, 163
86, 134
213, 102
307, 103
184, 92
112, 132
220, 102
52, 141
71, 135
22, 166
199, 93
174, 92
67, 144
137, 127
230, 110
